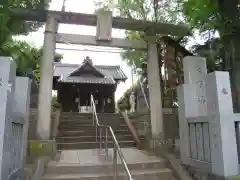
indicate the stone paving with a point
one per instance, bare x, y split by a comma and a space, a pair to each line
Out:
87, 164
91, 156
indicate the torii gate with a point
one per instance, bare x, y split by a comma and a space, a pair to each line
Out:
104, 22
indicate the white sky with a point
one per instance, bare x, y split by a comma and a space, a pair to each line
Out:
76, 57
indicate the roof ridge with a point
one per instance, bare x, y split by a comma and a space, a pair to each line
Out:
71, 65
65, 64
83, 65
109, 66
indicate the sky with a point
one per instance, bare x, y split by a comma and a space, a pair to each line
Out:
76, 57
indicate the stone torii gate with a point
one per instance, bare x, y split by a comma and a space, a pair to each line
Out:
104, 22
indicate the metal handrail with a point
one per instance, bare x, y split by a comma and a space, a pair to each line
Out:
144, 94
116, 147
142, 89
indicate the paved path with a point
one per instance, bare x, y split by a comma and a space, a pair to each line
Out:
91, 156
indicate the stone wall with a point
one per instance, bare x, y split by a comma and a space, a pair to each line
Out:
33, 123
34, 94
37, 148
32, 127
197, 174
141, 122
141, 104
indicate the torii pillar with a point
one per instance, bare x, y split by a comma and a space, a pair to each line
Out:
46, 79
154, 82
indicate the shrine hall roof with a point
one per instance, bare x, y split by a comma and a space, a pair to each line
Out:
87, 80
111, 74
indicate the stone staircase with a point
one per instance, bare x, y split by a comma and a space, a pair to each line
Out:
77, 132
89, 165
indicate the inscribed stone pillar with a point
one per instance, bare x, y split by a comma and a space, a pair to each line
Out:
46, 78
222, 134
7, 81
195, 70
21, 105
156, 110
187, 108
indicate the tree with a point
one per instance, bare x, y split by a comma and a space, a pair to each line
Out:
222, 16
212, 50
55, 103
26, 56
164, 11
10, 25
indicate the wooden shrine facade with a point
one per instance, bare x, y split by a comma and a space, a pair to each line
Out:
75, 83
171, 54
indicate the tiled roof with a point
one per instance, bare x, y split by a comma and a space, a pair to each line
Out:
113, 71
87, 80
64, 69
109, 71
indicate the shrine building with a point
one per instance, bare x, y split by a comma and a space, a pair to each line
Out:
75, 83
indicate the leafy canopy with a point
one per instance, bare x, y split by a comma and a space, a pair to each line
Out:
223, 16
202, 14
164, 11
26, 56
12, 25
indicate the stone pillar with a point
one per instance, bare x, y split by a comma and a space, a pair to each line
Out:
195, 70
187, 107
21, 105
46, 78
222, 133
7, 82
154, 82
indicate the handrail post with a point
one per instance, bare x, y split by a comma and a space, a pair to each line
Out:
100, 139
144, 94
115, 165
106, 143
96, 130
93, 118
116, 147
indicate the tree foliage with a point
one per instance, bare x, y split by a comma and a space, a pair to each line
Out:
164, 11
212, 50
26, 56
12, 25
202, 14
222, 16
123, 103
55, 103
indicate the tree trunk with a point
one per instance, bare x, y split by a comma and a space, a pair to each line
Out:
230, 35
234, 59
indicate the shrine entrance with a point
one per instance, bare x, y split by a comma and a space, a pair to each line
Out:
104, 22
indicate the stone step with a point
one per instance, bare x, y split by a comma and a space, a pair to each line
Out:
90, 116
71, 168
90, 122
77, 126
92, 145
92, 138
88, 132
163, 174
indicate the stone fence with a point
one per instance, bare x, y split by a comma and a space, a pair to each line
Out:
14, 100
209, 130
